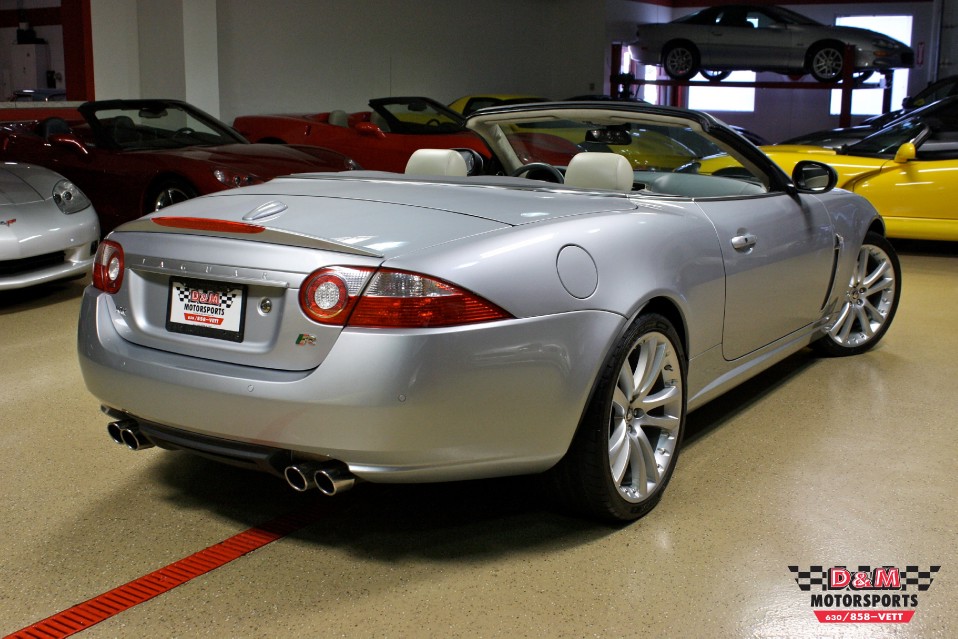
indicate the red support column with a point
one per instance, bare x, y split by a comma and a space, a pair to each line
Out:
77, 49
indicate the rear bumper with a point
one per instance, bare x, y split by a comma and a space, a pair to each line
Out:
401, 406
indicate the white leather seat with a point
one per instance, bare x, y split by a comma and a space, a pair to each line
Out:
436, 162
338, 118
599, 171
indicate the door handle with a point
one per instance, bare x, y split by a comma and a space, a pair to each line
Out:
743, 242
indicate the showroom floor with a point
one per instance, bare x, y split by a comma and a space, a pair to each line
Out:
818, 462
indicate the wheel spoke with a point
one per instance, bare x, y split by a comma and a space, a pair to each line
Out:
873, 313
845, 326
665, 422
644, 467
661, 398
840, 320
624, 391
619, 451
653, 353
877, 275
653, 472
880, 287
864, 324
861, 268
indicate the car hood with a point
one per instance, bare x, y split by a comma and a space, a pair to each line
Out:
14, 190
848, 167
857, 35
265, 160
381, 214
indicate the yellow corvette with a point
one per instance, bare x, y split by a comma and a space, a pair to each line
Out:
908, 171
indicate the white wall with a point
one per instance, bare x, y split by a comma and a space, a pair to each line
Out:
116, 48
235, 57
178, 51
162, 56
316, 55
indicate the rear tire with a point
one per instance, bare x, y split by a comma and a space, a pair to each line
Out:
623, 455
714, 76
680, 60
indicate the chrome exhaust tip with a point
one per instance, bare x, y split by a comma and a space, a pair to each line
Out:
127, 432
300, 477
330, 478
115, 429
333, 478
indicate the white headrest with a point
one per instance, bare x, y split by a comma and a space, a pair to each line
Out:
338, 118
599, 171
436, 162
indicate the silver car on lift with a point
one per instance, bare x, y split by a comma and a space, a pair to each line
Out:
471, 320
721, 39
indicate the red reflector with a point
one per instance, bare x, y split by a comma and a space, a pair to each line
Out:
423, 312
205, 224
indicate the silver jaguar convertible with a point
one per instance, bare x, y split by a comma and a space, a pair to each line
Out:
556, 309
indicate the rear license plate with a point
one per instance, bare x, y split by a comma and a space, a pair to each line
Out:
207, 309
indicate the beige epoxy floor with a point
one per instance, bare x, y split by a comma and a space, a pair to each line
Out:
832, 462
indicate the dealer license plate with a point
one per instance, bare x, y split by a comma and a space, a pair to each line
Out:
207, 309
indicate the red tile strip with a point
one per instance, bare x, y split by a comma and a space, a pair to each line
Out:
91, 612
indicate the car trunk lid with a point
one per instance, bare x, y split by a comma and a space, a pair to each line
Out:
218, 277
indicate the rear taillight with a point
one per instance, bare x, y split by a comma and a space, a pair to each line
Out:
108, 267
329, 294
392, 299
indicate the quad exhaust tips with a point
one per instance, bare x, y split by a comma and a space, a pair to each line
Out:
127, 432
331, 478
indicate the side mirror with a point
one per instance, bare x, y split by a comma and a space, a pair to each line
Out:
814, 177
68, 141
905, 153
369, 129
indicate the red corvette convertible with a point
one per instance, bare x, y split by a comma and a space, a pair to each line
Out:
132, 157
380, 139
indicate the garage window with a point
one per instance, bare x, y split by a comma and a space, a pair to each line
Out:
869, 101
714, 97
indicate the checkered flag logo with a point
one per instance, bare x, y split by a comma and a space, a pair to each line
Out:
183, 294
915, 576
816, 577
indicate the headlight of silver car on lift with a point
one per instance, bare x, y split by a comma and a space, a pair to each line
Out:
68, 197
883, 43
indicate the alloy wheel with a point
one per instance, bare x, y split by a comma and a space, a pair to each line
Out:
646, 417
